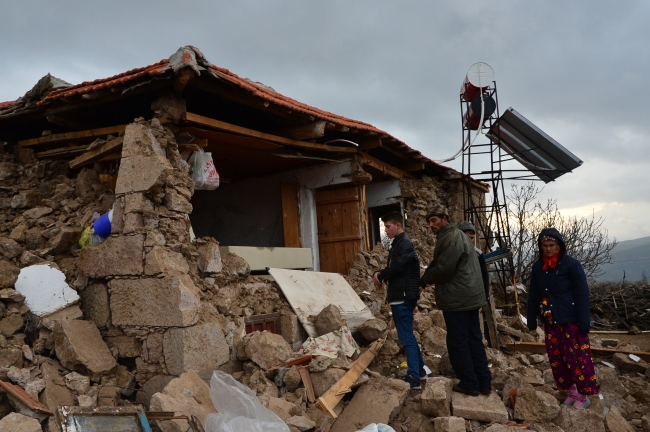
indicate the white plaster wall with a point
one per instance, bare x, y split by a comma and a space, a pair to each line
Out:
383, 193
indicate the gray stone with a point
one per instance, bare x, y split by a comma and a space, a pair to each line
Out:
154, 385
482, 408
79, 345
302, 423
323, 381
373, 329
267, 349
63, 240
614, 422
161, 260
15, 422
80, 384
9, 248
292, 379
292, 330
579, 420
449, 424
139, 140
436, 397
328, 320
117, 256
200, 347
209, 259
535, 406
625, 363
434, 341
142, 173
161, 302
24, 199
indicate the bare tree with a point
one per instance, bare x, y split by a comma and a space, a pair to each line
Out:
585, 238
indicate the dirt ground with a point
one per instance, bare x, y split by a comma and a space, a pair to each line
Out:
642, 340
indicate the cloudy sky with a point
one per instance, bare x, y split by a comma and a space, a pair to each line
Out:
579, 70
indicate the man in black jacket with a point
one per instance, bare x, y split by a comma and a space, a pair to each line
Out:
403, 277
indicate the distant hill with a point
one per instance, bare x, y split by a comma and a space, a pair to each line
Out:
631, 257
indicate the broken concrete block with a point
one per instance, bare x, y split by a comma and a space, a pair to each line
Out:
142, 173
209, 259
55, 392
267, 349
95, 305
64, 240
302, 423
535, 406
8, 274
154, 385
117, 256
139, 140
15, 422
186, 395
436, 397
161, 260
377, 401
9, 248
202, 348
579, 420
449, 424
127, 346
373, 329
45, 289
161, 302
11, 324
482, 408
625, 363
176, 202
69, 313
614, 422
328, 320
79, 345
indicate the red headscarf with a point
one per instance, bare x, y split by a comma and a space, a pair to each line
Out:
549, 261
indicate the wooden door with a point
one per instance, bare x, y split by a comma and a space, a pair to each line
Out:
341, 228
290, 214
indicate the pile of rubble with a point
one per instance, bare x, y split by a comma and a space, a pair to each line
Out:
141, 319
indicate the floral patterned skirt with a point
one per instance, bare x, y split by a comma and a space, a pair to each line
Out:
569, 353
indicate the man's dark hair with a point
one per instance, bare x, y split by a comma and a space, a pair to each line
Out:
393, 217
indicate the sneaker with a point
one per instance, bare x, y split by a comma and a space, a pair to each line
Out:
423, 376
458, 389
449, 372
413, 382
582, 402
572, 396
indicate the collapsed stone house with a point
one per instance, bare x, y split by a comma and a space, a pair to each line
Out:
301, 186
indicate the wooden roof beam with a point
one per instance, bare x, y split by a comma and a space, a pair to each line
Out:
90, 133
384, 167
113, 146
305, 131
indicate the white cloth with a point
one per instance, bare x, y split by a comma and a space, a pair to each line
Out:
330, 344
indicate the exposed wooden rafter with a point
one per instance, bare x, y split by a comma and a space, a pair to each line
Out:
305, 131
384, 167
72, 135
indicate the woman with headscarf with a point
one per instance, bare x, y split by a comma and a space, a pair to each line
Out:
559, 293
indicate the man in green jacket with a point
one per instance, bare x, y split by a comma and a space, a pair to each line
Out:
459, 292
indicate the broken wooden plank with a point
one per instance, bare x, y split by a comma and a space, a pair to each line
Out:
384, 167
218, 124
65, 151
72, 135
333, 396
306, 380
539, 347
93, 155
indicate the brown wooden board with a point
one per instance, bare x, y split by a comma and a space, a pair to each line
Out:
290, 214
539, 347
71, 135
93, 155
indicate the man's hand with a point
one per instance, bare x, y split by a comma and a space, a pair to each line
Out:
375, 280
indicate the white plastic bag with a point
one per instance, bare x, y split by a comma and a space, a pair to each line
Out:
239, 409
379, 427
204, 173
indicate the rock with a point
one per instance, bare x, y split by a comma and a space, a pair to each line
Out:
15, 422
85, 181
24, 199
117, 256
186, 395
137, 203
625, 363
11, 324
645, 423
546, 427
11, 356
583, 420
154, 385
434, 341
377, 401
292, 330
209, 259
328, 320
482, 408
421, 322
64, 240
319, 363
610, 384
55, 392
292, 379
609, 343
9, 248
202, 348
614, 422
436, 397
176, 202
373, 329
161, 302
449, 424
161, 260
37, 212
45, 289
267, 349
95, 305
80, 384
8, 274
535, 406
126, 346
536, 358
78, 344
142, 173
108, 396
234, 265
302, 423
281, 408
69, 313
139, 140
323, 381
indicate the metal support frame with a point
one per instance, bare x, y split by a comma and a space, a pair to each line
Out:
490, 219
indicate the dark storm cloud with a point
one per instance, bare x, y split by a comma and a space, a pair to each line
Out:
578, 69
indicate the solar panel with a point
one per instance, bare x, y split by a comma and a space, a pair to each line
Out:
534, 149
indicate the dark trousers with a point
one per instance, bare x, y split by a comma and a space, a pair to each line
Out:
403, 318
466, 350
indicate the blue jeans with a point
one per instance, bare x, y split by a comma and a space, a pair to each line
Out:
403, 318
466, 350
